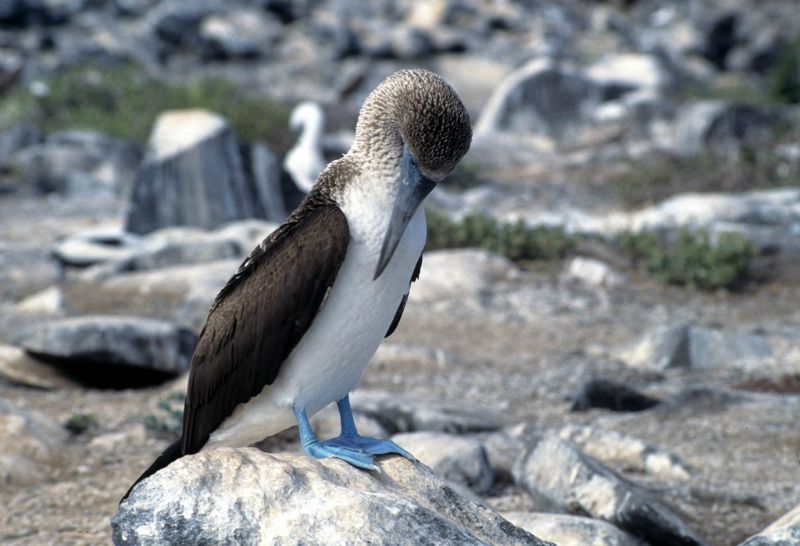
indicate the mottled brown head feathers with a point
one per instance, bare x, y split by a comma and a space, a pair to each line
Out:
420, 109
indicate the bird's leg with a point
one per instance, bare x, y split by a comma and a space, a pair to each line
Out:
320, 450
350, 438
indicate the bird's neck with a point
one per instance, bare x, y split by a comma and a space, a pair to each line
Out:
312, 132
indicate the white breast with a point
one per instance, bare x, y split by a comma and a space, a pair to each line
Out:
329, 360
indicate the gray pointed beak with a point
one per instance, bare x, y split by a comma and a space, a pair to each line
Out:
413, 190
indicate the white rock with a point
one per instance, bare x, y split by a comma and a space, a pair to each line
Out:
593, 272
626, 453
558, 475
18, 367
49, 301
179, 130
460, 273
689, 346
249, 497
633, 69
566, 530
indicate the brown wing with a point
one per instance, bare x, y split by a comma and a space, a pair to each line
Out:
402, 307
260, 316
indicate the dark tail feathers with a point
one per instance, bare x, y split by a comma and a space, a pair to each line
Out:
172, 453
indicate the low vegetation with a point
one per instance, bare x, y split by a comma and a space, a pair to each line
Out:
512, 240
167, 421
784, 79
692, 259
124, 102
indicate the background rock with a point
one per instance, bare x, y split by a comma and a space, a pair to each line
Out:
114, 341
193, 175
455, 458
557, 474
571, 530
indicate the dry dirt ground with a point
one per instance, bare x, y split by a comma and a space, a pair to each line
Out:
745, 457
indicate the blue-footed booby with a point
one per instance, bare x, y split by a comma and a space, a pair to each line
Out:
294, 328
305, 161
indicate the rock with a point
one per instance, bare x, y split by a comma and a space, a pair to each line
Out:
94, 246
626, 453
457, 459
114, 252
720, 126
556, 474
19, 368
602, 393
112, 340
690, 346
543, 98
77, 162
31, 443
403, 414
193, 175
784, 532
591, 271
183, 294
245, 495
571, 530
633, 71
235, 34
16, 138
460, 273
503, 449
49, 301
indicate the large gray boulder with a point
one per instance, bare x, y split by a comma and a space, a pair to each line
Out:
545, 98
115, 340
559, 476
247, 497
697, 347
194, 174
784, 532
721, 126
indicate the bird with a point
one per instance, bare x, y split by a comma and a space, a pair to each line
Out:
293, 329
304, 162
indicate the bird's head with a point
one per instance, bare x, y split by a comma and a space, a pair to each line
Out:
305, 113
414, 126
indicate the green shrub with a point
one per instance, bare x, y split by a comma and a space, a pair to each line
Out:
512, 240
167, 421
692, 259
124, 102
784, 84
78, 423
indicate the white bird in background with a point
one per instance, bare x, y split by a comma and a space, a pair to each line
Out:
305, 161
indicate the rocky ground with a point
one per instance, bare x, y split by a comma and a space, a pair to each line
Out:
580, 396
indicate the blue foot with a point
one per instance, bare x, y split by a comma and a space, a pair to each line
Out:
351, 439
321, 450
372, 446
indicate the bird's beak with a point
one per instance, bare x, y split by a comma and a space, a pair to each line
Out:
414, 188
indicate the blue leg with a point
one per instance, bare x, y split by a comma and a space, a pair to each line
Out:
320, 450
349, 438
